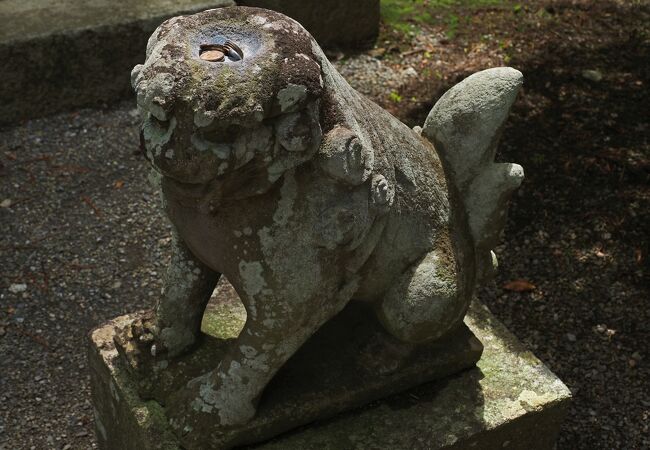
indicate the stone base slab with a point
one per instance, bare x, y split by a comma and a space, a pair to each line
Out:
511, 400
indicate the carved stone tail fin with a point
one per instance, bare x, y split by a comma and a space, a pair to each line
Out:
465, 126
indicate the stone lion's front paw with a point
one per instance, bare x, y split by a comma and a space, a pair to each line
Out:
136, 342
143, 342
143, 352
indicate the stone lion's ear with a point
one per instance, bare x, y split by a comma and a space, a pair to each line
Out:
345, 157
294, 131
135, 76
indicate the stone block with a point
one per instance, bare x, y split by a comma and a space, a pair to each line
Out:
65, 54
510, 400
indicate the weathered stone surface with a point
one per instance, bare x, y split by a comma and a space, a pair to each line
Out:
308, 197
479, 103
511, 400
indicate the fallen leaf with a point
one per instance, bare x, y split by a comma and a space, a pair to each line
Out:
519, 286
638, 256
118, 184
6, 203
90, 203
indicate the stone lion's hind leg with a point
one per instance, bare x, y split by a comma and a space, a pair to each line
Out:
424, 303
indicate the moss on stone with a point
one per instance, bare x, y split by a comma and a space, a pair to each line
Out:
223, 320
149, 414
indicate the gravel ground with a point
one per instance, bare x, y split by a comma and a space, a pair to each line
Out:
83, 240
80, 242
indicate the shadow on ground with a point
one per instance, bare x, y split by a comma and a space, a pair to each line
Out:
578, 226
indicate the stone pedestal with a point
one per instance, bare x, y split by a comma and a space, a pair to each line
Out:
511, 400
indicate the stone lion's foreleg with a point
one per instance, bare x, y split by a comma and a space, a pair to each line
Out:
274, 331
424, 303
187, 288
175, 323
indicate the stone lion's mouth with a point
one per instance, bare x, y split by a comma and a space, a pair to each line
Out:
187, 183
189, 173
203, 196
186, 189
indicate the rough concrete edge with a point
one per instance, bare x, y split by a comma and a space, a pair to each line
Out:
480, 312
159, 16
455, 366
551, 417
121, 395
144, 418
553, 413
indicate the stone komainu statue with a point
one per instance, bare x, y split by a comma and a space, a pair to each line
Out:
306, 196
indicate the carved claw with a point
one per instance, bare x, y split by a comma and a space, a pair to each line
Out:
137, 343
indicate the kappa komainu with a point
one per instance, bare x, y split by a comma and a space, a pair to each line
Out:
306, 196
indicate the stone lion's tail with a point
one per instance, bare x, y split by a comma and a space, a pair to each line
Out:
465, 126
